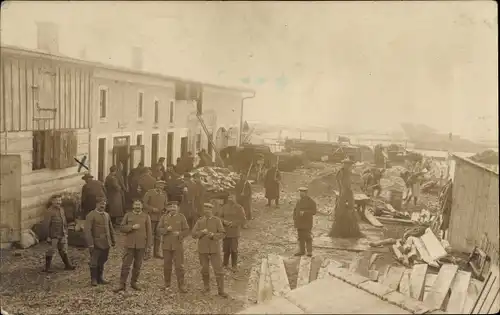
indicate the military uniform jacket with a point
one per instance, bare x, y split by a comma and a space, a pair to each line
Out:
304, 221
146, 182
55, 222
155, 199
98, 230
243, 190
140, 238
179, 224
90, 192
233, 218
206, 244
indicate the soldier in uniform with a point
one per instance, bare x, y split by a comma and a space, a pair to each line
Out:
100, 237
233, 218
272, 185
146, 182
174, 228
208, 230
138, 236
155, 202
114, 190
303, 221
57, 228
188, 201
91, 191
244, 195
199, 198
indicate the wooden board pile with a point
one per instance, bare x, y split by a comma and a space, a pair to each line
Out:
418, 245
217, 179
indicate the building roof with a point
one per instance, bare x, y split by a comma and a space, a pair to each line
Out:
40, 54
479, 165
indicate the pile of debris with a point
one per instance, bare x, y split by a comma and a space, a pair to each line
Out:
419, 245
217, 179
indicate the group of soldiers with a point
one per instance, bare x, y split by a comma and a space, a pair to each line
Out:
156, 223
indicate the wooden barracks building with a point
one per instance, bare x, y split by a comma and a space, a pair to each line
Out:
55, 109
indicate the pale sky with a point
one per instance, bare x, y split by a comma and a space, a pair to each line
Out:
358, 64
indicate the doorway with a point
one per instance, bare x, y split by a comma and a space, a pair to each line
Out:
170, 147
184, 146
155, 143
101, 155
121, 155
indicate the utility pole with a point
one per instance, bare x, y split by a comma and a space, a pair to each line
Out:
240, 138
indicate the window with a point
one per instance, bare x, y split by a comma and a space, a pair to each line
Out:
103, 102
140, 101
171, 112
157, 108
55, 149
138, 140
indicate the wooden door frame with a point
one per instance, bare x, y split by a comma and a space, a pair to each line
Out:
155, 132
106, 153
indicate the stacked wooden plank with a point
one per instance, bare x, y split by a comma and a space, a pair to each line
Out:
448, 290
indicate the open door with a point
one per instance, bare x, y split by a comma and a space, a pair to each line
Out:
184, 146
136, 155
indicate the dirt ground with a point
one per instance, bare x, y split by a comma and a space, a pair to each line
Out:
25, 290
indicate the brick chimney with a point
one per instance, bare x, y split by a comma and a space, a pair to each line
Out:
48, 37
137, 58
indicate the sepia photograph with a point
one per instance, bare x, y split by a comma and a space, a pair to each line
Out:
249, 157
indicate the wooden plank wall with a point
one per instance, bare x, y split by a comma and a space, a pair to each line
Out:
474, 208
63, 86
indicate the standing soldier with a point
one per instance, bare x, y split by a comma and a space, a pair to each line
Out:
100, 236
174, 228
137, 227
155, 201
188, 200
208, 230
233, 217
244, 196
114, 195
272, 185
303, 221
57, 228
199, 198
91, 191
146, 182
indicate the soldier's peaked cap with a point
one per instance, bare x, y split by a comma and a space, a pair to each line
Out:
303, 189
162, 182
208, 205
172, 204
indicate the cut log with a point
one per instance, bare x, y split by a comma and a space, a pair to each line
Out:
424, 254
279, 277
387, 241
417, 281
393, 277
440, 289
384, 220
371, 218
433, 245
430, 279
265, 290
404, 284
459, 288
323, 270
304, 271
372, 260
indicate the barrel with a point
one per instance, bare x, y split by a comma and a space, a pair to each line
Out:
396, 199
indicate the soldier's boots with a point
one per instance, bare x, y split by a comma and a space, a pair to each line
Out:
302, 249
157, 252
180, 282
220, 286
48, 262
167, 277
225, 259
234, 260
120, 288
135, 286
67, 263
100, 276
206, 283
93, 276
